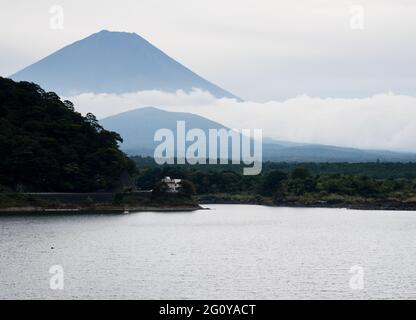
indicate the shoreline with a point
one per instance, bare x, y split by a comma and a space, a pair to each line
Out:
137, 209
71, 204
92, 203
387, 206
109, 210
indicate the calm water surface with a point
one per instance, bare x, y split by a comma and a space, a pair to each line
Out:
232, 251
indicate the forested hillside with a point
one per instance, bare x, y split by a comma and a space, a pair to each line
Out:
46, 146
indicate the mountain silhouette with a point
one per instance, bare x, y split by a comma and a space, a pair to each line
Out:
137, 128
113, 62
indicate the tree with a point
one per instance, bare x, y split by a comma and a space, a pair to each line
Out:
300, 173
301, 182
187, 189
159, 189
69, 105
271, 182
278, 195
92, 120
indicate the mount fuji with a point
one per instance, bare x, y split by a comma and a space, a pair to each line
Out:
113, 62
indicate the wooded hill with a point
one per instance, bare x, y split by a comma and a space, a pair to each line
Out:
46, 146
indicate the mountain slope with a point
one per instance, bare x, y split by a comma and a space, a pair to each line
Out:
137, 128
113, 62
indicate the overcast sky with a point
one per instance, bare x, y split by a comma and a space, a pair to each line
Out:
260, 50
321, 71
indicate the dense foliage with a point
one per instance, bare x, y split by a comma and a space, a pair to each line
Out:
315, 182
46, 146
379, 170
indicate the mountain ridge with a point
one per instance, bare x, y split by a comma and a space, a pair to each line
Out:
137, 128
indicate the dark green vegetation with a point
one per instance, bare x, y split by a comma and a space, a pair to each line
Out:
46, 146
379, 170
291, 183
12, 200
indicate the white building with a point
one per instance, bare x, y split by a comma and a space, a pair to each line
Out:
173, 184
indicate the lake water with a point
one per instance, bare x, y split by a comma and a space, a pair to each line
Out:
230, 252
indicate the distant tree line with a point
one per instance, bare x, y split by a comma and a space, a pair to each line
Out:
317, 181
379, 170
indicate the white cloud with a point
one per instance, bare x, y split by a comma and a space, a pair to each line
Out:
382, 121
